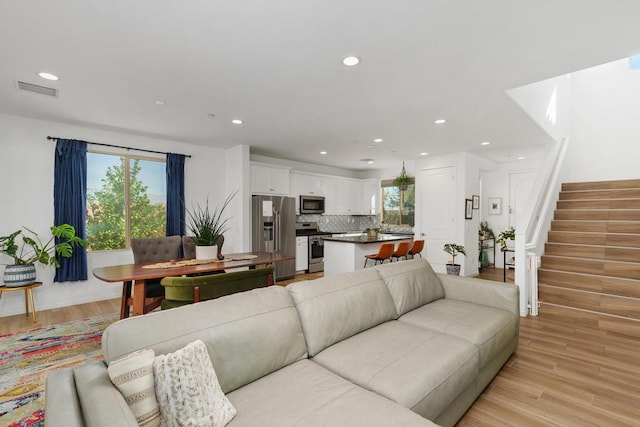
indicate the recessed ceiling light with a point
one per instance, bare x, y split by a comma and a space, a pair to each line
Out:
237, 121
159, 102
521, 157
440, 121
323, 152
370, 162
48, 76
350, 61
378, 140
424, 153
485, 143
211, 115
371, 146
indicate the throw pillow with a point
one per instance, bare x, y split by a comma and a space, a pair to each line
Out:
133, 376
188, 391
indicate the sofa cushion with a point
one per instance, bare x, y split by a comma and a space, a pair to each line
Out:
101, 402
411, 283
490, 329
420, 369
337, 307
306, 394
248, 334
133, 376
188, 390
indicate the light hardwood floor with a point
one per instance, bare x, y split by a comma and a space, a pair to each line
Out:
567, 371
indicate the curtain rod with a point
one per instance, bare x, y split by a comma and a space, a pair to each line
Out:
52, 138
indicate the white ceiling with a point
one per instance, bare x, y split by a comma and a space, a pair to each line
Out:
276, 64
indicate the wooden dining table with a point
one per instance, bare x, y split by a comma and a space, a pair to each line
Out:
134, 276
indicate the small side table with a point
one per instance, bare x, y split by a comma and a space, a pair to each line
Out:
28, 296
508, 263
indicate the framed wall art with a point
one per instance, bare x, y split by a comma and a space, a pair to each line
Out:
476, 202
495, 205
468, 209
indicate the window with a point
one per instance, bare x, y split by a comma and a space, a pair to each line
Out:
398, 206
126, 197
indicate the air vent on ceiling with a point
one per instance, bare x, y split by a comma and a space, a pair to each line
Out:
42, 90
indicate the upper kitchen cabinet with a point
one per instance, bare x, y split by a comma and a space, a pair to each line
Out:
271, 180
371, 192
343, 196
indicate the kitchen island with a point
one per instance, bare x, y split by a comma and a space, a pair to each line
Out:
344, 253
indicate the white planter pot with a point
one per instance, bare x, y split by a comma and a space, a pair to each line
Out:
207, 252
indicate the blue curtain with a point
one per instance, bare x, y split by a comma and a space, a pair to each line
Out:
69, 203
175, 195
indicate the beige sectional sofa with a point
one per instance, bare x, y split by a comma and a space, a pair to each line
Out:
394, 345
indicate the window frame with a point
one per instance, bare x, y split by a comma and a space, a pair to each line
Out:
127, 185
388, 183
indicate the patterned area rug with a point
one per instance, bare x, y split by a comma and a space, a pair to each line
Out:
26, 358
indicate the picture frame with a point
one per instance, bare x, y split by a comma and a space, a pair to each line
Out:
495, 206
468, 209
476, 202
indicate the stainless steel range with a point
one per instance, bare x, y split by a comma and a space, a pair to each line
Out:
316, 244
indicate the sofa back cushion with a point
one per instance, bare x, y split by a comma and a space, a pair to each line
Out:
411, 283
248, 335
334, 308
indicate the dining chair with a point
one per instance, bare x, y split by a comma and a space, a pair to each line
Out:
384, 253
188, 290
150, 249
416, 249
401, 251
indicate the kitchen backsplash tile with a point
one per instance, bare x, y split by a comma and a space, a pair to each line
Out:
346, 223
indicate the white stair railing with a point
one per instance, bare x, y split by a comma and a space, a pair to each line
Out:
531, 229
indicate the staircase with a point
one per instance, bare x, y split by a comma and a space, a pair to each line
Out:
591, 263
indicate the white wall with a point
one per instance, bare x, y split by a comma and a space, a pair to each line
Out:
26, 172
605, 136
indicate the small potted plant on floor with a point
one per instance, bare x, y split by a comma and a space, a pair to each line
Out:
206, 228
453, 250
23, 271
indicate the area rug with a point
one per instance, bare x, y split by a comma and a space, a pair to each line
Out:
26, 358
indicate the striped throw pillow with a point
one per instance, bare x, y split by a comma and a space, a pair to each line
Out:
133, 376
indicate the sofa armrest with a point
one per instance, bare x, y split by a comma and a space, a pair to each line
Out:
101, 402
62, 407
484, 292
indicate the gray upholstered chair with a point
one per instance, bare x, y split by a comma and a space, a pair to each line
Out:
152, 249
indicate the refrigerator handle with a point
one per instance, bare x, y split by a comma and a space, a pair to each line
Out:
276, 234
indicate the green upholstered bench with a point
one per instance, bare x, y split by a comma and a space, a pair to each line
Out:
187, 290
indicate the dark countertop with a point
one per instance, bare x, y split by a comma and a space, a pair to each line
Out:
364, 239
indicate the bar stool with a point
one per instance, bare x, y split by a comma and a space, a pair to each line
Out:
416, 249
401, 251
384, 253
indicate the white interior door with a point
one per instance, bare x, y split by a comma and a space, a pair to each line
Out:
437, 213
520, 186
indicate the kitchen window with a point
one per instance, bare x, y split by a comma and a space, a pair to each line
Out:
126, 197
398, 206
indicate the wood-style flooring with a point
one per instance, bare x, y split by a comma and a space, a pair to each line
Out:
567, 371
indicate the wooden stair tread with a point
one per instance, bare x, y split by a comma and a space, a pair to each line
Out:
586, 300
602, 185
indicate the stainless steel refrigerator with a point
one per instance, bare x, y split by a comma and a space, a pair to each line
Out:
273, 227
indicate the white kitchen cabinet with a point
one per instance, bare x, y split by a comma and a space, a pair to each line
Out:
269, 180
302, 253
371, 192
343, 196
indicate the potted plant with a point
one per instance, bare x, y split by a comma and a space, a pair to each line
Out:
403, 180
23, 271
453, 250
504, 236
206, 227
485, 232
